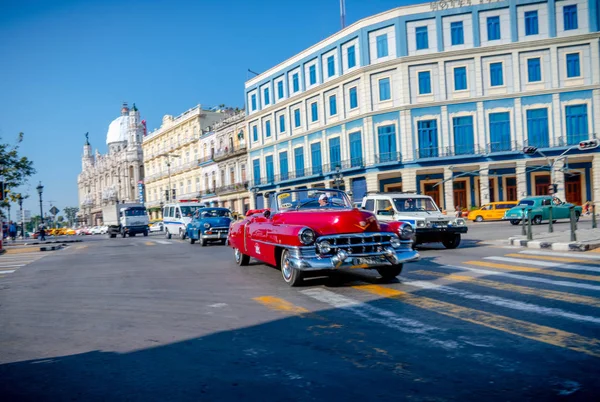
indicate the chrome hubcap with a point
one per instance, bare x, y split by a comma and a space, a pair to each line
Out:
286, 267
238, 255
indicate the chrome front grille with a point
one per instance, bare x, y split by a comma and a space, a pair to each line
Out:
219, 230
358, 244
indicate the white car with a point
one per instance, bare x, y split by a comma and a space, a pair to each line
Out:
157, 227
103, 229
96, 230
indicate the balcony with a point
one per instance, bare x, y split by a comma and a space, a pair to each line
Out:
503, 146
232, 188
570, 140
227, 152
388, 157
205, 160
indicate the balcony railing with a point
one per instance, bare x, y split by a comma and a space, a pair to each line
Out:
232, 188
388, 157
565, 141
503, 146
228, 152
206, 159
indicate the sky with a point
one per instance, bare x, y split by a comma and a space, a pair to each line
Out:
66, 67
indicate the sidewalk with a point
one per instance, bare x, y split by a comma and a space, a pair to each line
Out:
587, 239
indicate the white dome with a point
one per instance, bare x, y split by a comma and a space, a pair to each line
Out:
117, 130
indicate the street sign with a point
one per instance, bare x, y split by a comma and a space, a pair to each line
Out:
141, 192
26, 216
54, 210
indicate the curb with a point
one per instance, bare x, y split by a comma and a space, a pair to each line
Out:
46, 242
571, 246
51, 248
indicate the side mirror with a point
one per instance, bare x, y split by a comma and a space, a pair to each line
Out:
385, 212
267, 213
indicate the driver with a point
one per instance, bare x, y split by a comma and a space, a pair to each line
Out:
323, 200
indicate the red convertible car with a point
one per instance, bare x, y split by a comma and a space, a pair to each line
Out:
320, 230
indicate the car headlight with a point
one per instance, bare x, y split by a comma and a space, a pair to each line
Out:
420, 224
459, 222
324, 247
206, 225
406, 231
306, 236
395, 242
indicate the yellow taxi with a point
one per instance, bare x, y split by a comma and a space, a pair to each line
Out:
494, 211
71, 232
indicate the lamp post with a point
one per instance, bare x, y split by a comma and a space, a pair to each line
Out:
338, 177
169, 156
20, 199
40, 190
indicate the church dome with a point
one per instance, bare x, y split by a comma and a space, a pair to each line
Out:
117, 130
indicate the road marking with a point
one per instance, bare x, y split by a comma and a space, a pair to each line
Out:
527, 278
544, 293
161, 242
7, 272
503, 302
535, 270
218, 305
548, 258
540, 333
11, 265
277, 304
553, 254
544, 264
150, 243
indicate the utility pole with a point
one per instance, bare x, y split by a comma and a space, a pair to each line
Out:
343, 13
169, 156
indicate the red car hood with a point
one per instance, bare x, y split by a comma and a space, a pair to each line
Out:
326, 222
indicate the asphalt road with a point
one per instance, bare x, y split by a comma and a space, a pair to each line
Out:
150, 319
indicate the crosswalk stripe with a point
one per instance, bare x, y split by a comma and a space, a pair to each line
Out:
161, 242
534, 270
278, 304
504, 302
554, 254
7, 272
12, 265
543, 293
540, 333
526, 278
549, 258
544, 264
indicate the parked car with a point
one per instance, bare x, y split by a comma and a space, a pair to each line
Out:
157, 227
209, 225
103, 229
540, 210
319, 230
70, 232
95, 230
492, 211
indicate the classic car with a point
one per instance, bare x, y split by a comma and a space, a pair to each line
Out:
492, 211
320, 230
209, 225
539, 208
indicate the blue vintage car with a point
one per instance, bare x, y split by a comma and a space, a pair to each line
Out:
209, 225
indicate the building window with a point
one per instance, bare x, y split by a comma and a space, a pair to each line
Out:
493, 27
314, 112
253, 101
570, 17
457, 33
330, 66
283, 165
577, 123
386, 137
312, 74
266, 93
280, 89
267, 129
537, 128
317, 162
422, 38
496, 78
282, 124
382, 46
295, 83
460, 78
332, 105
384, 89
254, 133
243, 171
353, 98
269, 169
499, 132
534, 70
424, 82
297, 118
335, 156
531, 22
428, 143
256, 171
299, 161
573, 69
351, 56
355, 149
463, 135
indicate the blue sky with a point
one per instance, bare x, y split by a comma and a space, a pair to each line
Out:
66, 66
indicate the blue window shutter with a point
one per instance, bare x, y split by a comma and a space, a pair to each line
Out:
312, 74
332, 105
283, 165
537, 128
269, 168
493, 28
254, 133
460, 78
330, 66
531, 22
314, 112
422, 38
317, 162
500, 132
577, 124
387, 143
428, 141
570, 17
384, 89
496, 77
573, 68
534, 70
424, 82
457, 35
268, 129
355, 150
266, 92
297, 118
280, 89
253, 101
256, 169
281, 123
464, 143
351, 56
335, 156
353, 98
295, 82
382, 46
299, 161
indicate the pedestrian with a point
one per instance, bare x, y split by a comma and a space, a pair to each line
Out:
42, 233
587, 208
458, 211
12, 231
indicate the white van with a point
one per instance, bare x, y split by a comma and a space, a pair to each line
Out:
177, 215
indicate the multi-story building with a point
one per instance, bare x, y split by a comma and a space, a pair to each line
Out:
438, 98
172, 155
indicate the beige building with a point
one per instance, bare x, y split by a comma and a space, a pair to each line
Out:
171, 157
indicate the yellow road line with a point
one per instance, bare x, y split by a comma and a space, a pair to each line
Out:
520, 328
277, 304
535, 270
150, 243
546, 294
550, 258
22, 250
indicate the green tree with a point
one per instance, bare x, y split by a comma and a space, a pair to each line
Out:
14, 169
70, 213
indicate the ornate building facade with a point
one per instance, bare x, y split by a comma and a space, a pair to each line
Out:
117, 175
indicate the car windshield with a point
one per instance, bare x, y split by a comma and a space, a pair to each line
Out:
526, 202
189, 210
311, 199
213, 213
134, 212
415, 204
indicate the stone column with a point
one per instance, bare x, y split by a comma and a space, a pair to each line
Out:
409, 180
558, 178
372, 182
449, 192
484, 185
521, 179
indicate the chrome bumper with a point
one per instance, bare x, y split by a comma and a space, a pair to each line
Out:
214, 236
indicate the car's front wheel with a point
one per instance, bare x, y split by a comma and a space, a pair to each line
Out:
241, 259
537, 220
390, 273
291, 275
167, 234
181, 234
515, 222
479, 219
451, 241
191, 240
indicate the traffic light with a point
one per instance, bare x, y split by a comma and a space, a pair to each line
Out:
529, 150
174, 196
588, 144
552, 189
167, 195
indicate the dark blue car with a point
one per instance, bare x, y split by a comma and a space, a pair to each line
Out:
209, 225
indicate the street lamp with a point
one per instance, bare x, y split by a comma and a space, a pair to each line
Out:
20, 199
169, 156
40, 190
338, 177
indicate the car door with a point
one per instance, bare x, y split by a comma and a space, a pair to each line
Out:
256, 238
560, 209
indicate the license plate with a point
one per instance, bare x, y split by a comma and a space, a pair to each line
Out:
366, 261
